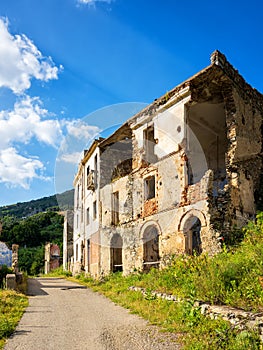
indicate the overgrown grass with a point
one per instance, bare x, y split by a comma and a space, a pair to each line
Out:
12, 306
59, 272
234, 277
196, 331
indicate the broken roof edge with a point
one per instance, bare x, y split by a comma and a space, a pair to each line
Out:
124, 130
217, 59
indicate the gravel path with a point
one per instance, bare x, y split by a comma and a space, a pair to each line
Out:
66, 316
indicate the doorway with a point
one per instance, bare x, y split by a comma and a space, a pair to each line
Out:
116, 253
150, 248
192, 233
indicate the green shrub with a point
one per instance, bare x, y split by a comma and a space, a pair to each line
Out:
4, 270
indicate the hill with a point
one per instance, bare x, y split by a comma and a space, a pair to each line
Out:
61, 201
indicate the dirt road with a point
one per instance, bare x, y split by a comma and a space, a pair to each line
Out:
66, 316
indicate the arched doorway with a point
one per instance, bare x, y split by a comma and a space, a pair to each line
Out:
150, 248
116, 253
192, 233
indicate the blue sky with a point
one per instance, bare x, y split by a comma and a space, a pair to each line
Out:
65, 63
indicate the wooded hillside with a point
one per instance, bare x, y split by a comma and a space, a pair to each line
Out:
62, 201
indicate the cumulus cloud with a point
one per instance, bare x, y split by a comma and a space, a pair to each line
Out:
80, 130
72, 158
20, 61
28, 120
17, 170
78, 135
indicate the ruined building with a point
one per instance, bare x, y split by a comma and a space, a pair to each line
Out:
174, 178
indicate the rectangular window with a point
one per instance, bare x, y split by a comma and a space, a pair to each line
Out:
115, 208
149, 143
77, 252
82, 186
149, 187
88, 216
77, 196
88, 177
88, 254
94, 210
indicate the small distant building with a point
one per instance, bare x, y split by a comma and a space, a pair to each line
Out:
52, 256
5, 255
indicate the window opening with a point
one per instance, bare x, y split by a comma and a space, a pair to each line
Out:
149, 188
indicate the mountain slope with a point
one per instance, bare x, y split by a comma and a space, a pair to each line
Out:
61, 201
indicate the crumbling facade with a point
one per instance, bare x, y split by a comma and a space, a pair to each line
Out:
174, 178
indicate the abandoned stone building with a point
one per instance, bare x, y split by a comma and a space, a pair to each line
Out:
173, 179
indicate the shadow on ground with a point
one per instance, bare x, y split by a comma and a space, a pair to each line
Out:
36, 286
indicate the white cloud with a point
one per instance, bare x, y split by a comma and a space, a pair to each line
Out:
26, 121
80, 130
78, 136
72, 158
92, 2
20, 61
17, 170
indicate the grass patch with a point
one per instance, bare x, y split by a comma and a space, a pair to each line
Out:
59, 272
234, 277
12, 306
197, 331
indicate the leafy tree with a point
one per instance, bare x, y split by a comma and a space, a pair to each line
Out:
31, 260
31, 234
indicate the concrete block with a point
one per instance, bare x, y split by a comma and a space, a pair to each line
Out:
11, 281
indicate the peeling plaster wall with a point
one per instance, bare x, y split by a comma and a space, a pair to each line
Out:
95, 254
124, 187
170, 139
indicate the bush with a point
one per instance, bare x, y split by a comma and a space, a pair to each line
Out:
4, 270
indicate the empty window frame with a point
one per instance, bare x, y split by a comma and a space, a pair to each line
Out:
149, 187
77, 252
87, 216
94, 210
115, 208
82, 214
149, 143
88, 172
77, 196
